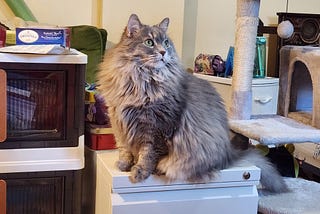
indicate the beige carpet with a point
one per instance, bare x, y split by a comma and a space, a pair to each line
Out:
303, 198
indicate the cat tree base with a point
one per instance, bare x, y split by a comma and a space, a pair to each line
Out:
234, 190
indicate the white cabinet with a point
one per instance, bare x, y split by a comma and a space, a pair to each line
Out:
264, 92
233, 191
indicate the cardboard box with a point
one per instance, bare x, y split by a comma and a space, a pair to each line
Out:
43, 36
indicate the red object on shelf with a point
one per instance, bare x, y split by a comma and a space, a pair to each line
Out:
99, 137
2, 36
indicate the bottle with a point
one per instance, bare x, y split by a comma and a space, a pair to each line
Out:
259, 70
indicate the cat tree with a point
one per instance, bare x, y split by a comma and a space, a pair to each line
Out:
267, 130
246, 31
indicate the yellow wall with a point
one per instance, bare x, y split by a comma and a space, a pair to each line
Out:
115, 14
212, 32
5, 12
62, 12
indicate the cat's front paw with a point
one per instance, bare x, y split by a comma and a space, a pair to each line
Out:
158, 172
138, 174
124, 166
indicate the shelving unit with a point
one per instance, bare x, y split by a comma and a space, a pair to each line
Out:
43, 174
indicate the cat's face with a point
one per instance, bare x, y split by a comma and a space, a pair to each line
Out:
149, 46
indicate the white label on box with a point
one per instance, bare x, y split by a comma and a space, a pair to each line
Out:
28, 36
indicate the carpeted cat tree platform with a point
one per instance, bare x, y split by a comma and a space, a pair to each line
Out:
275, 130
304, 196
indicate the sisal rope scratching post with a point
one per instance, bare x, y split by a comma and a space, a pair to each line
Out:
245, 42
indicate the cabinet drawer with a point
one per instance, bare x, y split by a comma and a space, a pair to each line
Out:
117, 195
264, 99
264, 92
56, 192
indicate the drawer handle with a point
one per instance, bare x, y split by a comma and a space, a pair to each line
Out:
263, 100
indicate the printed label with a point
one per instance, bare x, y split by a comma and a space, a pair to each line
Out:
28, 36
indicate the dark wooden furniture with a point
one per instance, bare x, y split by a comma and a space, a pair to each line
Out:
53, 98
3, 105
43, 143
3, 197
43, 192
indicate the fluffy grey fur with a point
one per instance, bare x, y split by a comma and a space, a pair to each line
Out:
165, 120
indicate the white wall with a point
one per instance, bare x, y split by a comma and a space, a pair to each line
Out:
189, 32
116, 14
211, 28
215, 27
216, 21
269, 8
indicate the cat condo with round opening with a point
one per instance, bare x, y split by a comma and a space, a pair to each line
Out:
299, 94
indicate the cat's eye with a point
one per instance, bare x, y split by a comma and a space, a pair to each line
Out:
149, 42
166, 43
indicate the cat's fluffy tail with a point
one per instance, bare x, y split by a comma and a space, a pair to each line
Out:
270, 179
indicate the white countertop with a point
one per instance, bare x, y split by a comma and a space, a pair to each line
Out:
42, 159
75, 58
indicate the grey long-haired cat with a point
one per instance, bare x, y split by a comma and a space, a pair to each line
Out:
166, 120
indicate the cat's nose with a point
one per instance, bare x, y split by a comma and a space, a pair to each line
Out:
162, 53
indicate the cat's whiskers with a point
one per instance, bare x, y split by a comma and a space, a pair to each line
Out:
151, 58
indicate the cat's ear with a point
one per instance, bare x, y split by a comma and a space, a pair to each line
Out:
133, 26
164, 24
